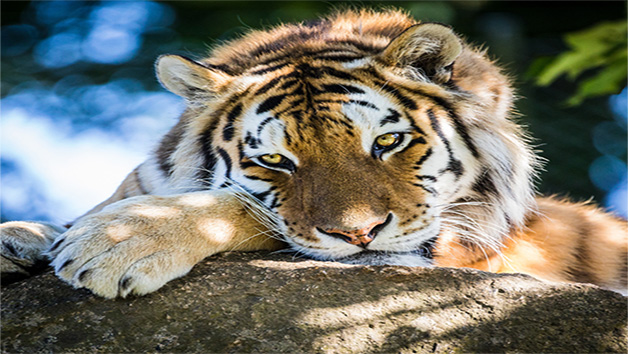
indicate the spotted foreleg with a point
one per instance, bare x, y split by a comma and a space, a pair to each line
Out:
137, 245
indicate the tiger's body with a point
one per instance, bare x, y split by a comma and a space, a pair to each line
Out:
364, 137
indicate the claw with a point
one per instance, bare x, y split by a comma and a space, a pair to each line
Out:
65, 264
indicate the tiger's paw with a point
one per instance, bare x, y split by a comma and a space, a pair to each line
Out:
123, 250
23, 247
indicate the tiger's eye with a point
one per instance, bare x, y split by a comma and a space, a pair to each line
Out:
272, 159
387, 139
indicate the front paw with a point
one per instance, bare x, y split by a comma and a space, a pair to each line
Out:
117, 253
22, 248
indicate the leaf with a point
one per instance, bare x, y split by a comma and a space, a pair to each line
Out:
598, 37
603, 46
608, 81
572, 63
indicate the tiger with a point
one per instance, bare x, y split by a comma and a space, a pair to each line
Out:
363, 137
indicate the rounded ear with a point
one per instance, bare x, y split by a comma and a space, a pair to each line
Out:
188, 78
429, 47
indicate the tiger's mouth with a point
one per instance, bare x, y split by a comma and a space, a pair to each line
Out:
418, 257
424, 250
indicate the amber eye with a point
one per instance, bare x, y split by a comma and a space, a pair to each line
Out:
271, 159
277, 161
386, 142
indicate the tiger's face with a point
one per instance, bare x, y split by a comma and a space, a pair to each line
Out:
350, 153
354, 171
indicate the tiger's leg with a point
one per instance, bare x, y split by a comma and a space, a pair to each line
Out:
563, 242
138, 244
571, 242
23, 246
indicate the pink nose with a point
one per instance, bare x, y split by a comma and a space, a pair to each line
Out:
359, 237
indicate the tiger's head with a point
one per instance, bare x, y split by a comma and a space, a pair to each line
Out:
363, 134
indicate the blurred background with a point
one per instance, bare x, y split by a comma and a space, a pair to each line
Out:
81, 107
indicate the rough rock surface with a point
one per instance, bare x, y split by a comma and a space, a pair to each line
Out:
260, 302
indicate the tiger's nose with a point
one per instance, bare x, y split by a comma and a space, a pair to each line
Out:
359, 237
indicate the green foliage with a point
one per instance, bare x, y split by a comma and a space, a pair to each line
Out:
602, 47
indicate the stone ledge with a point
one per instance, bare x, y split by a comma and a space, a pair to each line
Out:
260, 302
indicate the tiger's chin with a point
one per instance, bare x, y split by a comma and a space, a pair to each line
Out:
418, 258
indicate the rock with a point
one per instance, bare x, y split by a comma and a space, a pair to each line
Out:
260, 302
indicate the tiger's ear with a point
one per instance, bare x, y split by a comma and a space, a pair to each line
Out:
430, 47
188, 78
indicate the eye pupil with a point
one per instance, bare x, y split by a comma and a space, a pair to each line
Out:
272, 159
387, 140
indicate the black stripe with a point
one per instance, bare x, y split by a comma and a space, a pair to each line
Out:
306, 70
437, 100
484, 184
247, 164
274, 82
459, 124
294, 103
581, 270
140, 185
454, 165
262, 124
344, 89
225, 157
427, 154
403, 99
219, 67
261, 196
427, 189
227, 132
287, 136
338, 58
426, 177
392, 117
359, 45
275, 203
251, 141
270, 103
414, 126
209, 163
288, 84
338, 74
415, 141
315, 54
255, 178
365, 104
270, 84
462, 130
269, 69
166, 148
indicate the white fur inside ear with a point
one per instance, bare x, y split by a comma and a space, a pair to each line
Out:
183, 76
441, 39
431, 45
